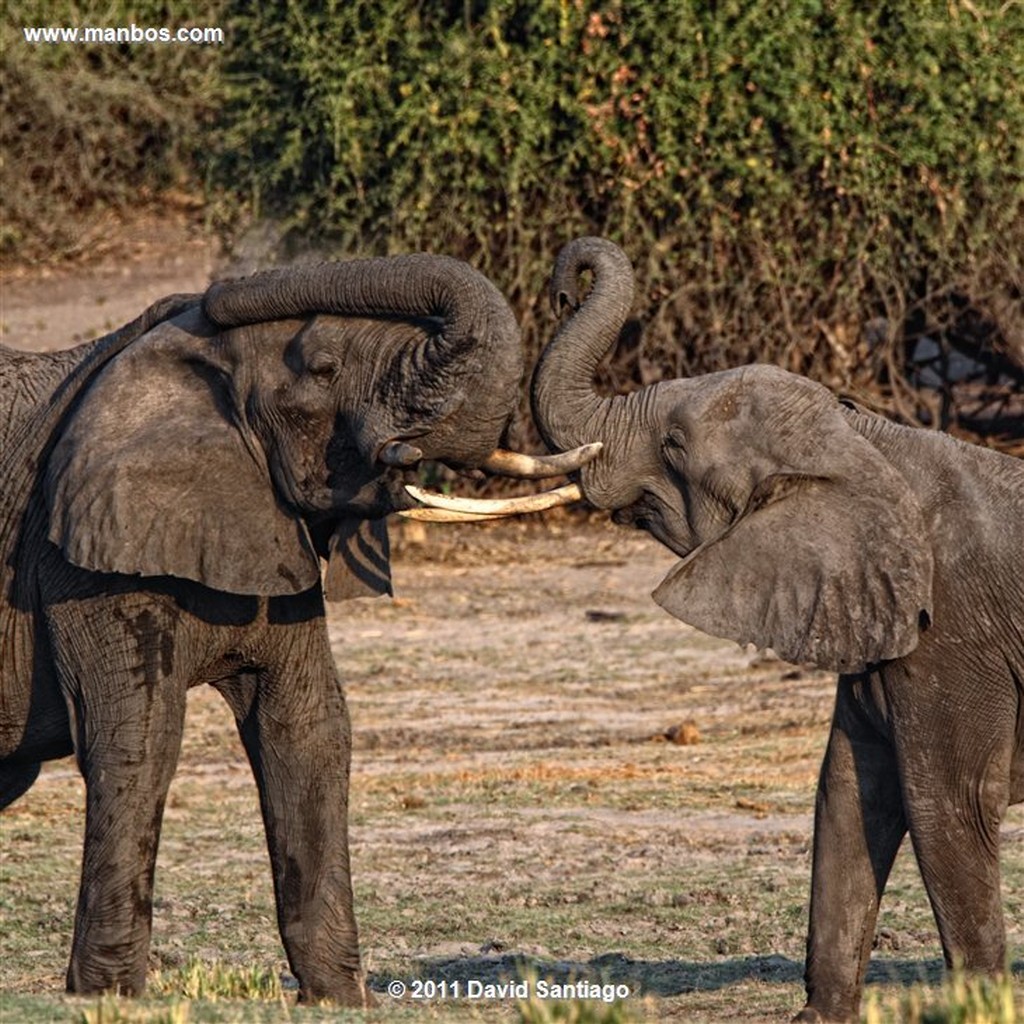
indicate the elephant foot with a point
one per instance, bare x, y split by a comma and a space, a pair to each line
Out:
352, 992
809, 1015
83, 981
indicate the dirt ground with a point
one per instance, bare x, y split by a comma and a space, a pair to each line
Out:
549, 774
45, 308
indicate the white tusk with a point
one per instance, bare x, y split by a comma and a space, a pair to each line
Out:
445, 515
537, 467
489, 508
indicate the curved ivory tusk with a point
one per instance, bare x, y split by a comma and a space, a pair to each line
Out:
445, 515
537, 467
490, 508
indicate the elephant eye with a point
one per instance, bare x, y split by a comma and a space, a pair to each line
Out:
675, 438
321, 365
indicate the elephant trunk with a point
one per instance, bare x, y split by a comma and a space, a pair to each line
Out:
462, 378
477, 325
567, 409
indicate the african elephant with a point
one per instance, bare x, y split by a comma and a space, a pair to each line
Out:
892, 555
168, 496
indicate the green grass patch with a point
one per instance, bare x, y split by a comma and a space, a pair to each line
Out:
960, 1000
213, 981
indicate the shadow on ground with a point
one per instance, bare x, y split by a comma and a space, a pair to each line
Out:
664, 978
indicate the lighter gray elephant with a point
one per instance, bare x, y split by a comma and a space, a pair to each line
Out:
892, 555
169, 495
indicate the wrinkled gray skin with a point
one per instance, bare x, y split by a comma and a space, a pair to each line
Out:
167, 494
892, 555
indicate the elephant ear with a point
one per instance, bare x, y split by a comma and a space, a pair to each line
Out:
152, 475
833, 570
359, 560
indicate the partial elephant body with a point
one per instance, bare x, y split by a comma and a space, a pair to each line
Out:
169, 497
99, 664
972, 501
931, 743
28, 379
890, 554
36, 390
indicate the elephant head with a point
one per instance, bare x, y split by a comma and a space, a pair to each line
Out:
271, 423
795, 533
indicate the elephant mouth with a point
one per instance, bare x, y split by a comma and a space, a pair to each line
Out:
654, 514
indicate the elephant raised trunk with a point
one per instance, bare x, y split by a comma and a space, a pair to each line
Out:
477, 338
472, 311
475, 334
567, 409
563, 397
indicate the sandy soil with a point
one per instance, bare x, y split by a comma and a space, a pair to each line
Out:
50, 308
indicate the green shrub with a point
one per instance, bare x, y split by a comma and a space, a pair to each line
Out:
782, 173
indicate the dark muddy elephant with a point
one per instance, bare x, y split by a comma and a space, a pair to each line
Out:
892, 555
168, 497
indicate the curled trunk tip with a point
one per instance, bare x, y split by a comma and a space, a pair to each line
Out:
562, 393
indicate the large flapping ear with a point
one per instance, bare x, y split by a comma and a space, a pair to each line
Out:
832, 568
153, 476
359, 560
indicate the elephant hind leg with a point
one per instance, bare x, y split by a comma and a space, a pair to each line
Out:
15, 781
956, 766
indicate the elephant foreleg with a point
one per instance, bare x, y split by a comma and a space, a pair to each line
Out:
295, 727
954, 823
859, 825
127, 744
